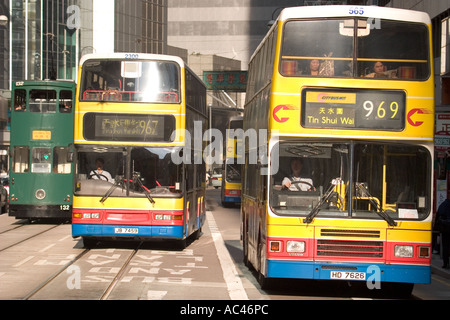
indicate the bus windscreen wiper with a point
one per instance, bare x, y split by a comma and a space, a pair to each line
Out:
382, 213
120, 182
326, 197
146, 191
117, 182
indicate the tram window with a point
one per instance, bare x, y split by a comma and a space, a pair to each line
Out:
21, 159
65, 101
41, 160
20, 100
43, 101
60, 160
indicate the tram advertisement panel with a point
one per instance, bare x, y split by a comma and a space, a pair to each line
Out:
354, 109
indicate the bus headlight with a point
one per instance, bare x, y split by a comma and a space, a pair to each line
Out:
40, 194
403, 251
295, 246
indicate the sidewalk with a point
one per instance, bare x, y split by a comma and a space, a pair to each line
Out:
436, 266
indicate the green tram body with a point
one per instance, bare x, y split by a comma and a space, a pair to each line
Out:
41, 150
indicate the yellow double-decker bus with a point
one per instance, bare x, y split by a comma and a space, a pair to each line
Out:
232, 167
346, 95
139, 174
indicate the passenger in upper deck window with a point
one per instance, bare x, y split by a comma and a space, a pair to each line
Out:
314, 66
20, 107
380, 71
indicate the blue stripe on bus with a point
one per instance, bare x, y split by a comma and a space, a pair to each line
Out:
321, 270
94, 230
232, 199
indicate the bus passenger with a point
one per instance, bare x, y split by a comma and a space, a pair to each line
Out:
99, 173
19, 107
294, 182
380, 71
314, 66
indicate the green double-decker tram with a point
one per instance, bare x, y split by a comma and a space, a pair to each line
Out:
41, 170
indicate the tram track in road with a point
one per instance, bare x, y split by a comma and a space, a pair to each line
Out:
120, 274
51, 227
59, 283
54, 275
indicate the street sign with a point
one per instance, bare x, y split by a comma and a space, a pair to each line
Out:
225, 80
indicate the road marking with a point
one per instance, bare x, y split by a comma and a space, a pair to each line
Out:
155, 295
65, 238
46, 248
439, 280
23, 261
236, 290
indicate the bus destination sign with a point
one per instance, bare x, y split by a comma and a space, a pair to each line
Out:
353, 109
128, 127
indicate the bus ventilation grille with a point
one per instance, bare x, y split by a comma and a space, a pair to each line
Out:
350, 233
349, 248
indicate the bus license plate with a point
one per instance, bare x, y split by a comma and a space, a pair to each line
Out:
345, 275
126, 230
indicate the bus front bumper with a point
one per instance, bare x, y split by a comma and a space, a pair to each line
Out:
349, 271
127, 231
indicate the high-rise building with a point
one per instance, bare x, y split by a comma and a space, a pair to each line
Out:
46, 38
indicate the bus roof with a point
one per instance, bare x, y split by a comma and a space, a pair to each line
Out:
132, 56
362, 11
339, 11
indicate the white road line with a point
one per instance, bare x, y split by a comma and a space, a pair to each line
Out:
46, 248
155, 295
23, 261
236, 290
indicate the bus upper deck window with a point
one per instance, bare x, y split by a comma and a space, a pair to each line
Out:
131, 69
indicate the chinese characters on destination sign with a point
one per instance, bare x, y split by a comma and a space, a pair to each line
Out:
353, 109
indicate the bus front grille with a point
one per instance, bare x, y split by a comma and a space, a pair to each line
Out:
350, 233
349, 248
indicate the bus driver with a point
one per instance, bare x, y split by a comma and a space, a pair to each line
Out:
294, 182
99, 173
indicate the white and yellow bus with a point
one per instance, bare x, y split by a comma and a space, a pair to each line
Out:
135, 172
346, 95
232, 167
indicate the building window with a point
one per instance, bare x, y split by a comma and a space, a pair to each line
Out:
445, 39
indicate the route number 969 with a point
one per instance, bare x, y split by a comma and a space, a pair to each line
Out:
381, 111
